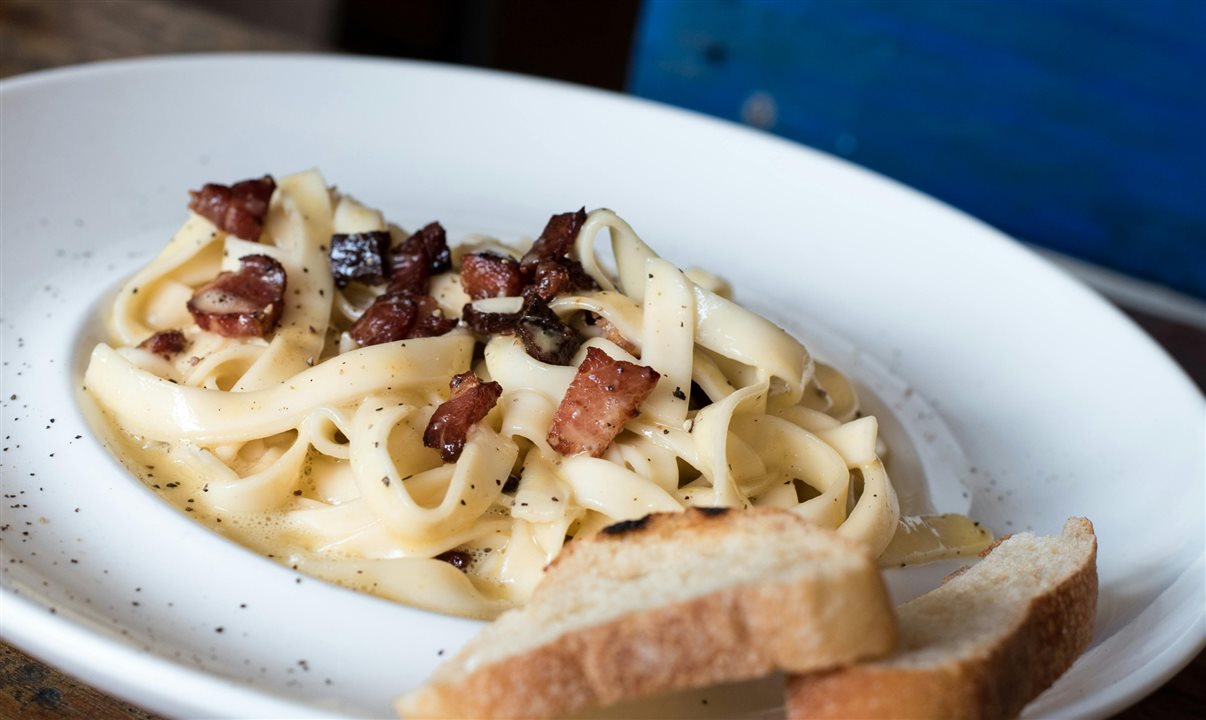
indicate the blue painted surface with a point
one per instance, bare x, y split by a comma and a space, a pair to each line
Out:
1075, 124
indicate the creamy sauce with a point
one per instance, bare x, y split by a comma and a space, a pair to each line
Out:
309, 450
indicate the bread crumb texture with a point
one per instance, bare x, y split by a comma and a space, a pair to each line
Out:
677, 601
982, 645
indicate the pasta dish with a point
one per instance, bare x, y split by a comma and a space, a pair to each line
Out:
432, 424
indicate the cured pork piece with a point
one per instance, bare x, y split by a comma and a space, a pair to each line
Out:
555, 241
397, 316
488, 275
165, 343
605, 394
360, 256
247, 303
430, 320
413, 261
556, 276
489, 323
544, 336
237, 209
410, 272
470, 402
433, 240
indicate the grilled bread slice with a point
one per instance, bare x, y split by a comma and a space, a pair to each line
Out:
669, 602
982, 645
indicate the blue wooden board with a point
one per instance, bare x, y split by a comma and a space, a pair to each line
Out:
1079, 125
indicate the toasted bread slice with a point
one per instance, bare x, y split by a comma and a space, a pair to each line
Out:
982, 645
669, 602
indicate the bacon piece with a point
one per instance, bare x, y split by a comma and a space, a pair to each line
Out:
489, 323
543, 334
164, 343
413, 261
603, 396
359, 256
388, 319
238, 209
247, 303
399, 316
429, 319
556, 239
554, 276
411, 272
471, 401
432, 239
546, 269
549, 279
487, 275
581, 279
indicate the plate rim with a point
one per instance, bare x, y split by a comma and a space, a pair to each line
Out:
1000, 239
21, 607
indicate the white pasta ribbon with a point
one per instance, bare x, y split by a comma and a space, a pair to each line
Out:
161, 410
722, 326
467, 491
668, 346
140, 300
268, 486
301, 224
311, 448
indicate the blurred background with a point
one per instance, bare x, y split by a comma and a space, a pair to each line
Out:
1076, 126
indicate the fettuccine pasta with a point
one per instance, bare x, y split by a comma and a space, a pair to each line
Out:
309, 447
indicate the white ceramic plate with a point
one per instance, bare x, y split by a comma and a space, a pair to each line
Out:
1060, 406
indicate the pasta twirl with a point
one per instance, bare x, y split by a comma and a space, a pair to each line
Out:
310, 448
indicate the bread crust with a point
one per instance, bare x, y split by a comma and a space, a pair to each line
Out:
996, 681
738, 632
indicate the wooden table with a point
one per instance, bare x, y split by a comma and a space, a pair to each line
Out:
38, 34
